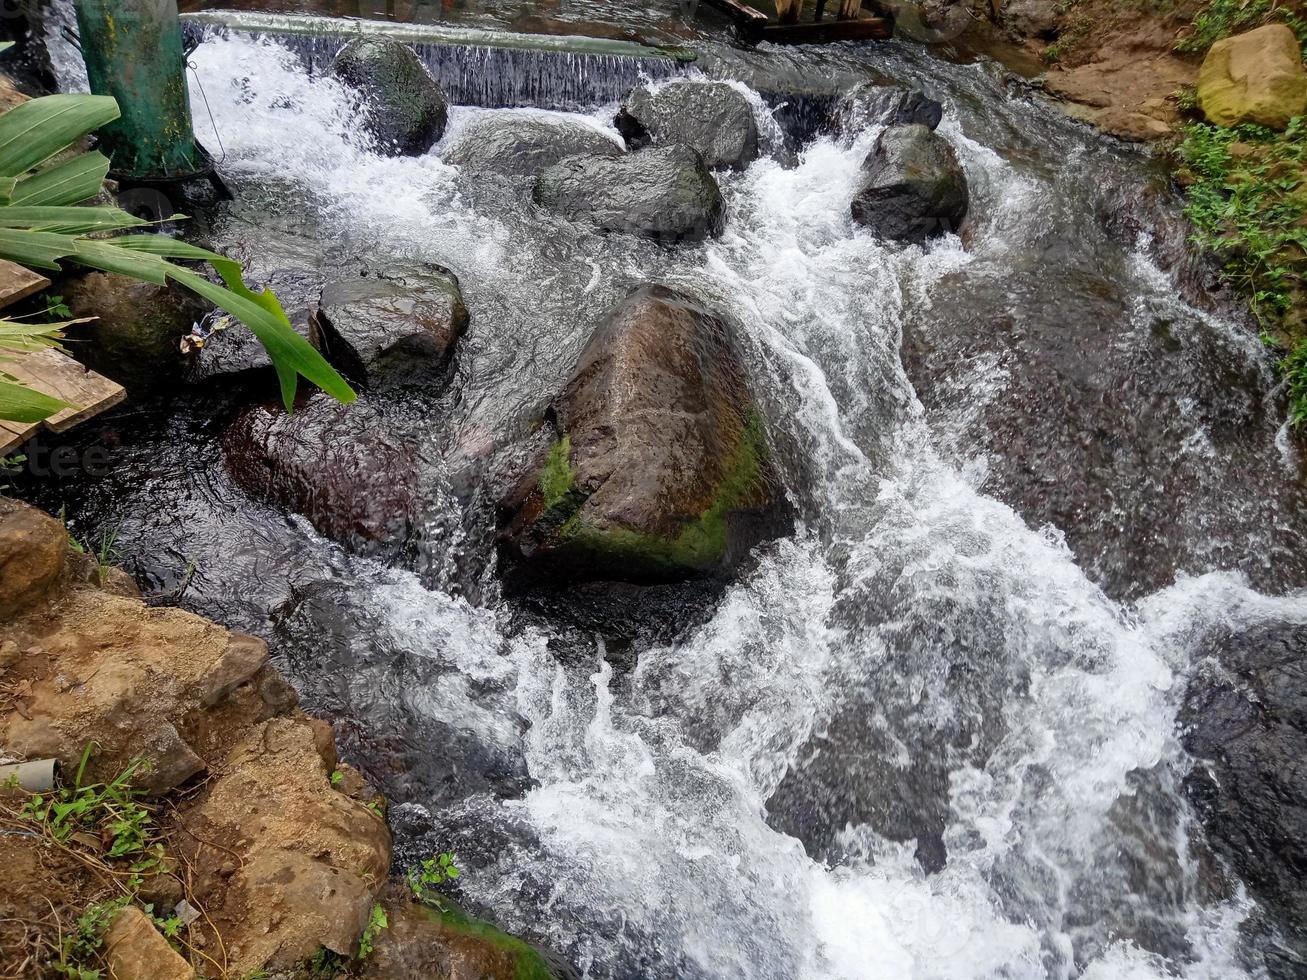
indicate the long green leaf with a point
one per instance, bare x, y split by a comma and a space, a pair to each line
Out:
19, 403
71, 182
291, 354
16, 335
40, 250
107, 256
35, 131
69, 220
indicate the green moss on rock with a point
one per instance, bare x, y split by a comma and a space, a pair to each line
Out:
557, 476
528, 963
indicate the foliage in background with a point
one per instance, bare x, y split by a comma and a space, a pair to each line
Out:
43, 222
1219, 19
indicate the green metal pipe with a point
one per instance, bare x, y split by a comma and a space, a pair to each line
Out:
133, 51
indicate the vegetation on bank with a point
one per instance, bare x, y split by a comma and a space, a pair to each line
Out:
1246, 191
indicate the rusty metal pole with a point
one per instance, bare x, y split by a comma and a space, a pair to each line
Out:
133, 51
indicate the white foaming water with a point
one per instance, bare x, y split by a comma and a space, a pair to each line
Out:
649, 820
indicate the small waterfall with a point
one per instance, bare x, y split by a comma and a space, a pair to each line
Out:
476, 68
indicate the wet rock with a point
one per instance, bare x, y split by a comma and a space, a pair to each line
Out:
342, 466
286, 864
659, 466
136, 336
234, 350
1255, 77
140, 683
135, 950
1147, 436
423, 942
32, 549
403, 106
399, 326
912, 187
1245, 720
665, 193
871, 104
713, 118
1031, 18
523, 145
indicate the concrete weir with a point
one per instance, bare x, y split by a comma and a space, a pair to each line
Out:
492, 69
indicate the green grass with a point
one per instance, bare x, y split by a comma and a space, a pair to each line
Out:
1247, 199
1221, 18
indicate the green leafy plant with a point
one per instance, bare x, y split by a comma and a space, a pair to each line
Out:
424, 879
9, 465
377, 922
1247, 200
111, 811
1219, 19
45, 221
79, 952
336, 777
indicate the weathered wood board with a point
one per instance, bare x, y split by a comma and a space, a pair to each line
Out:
18, 283
57, 374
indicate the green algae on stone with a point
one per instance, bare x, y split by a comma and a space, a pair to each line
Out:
528, 963
701, 544
557, 476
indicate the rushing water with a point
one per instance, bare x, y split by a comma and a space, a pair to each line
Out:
920, 677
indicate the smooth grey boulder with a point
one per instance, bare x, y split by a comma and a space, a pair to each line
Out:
711, 117
522, 145
666, 193
912, 187
404, 108
391, 326
870, 104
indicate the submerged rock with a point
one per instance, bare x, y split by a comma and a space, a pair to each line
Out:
665, 193
422, 942
523, 145
712, 118
1246, 721
400, 326
659, 468
912, 187
403, 106
341, 466
870, 104
135, 338
1255, 77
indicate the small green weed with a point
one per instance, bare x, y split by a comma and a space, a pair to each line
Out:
1221, 18
377, 922
424, 879
80, 950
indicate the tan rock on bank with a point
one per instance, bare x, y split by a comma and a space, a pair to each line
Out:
1255, 77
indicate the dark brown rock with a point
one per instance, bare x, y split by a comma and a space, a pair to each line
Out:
659, 467
912, 187
135, 338
341, 466
32, 549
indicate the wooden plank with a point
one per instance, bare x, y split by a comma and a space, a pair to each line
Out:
741, 13
17, 282
56, 374
866, 29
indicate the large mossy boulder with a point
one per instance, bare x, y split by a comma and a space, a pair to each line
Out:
344, 467
658, 467
711, 117
1255, 77
912, 186
421, 942
404, 108
135, 338
666, 193
392, 326
521, 144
